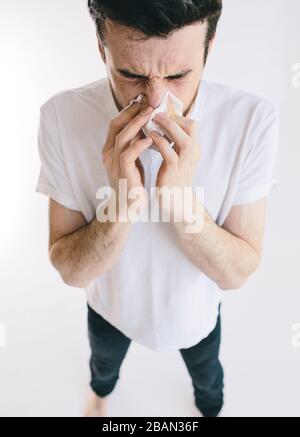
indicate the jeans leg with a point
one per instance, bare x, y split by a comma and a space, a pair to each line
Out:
109, 347
205, 369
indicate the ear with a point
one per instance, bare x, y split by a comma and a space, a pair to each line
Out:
101, 48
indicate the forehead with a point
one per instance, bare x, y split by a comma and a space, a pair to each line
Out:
182, 49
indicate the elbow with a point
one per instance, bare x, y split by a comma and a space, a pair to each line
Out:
237, 279
67, 273
73, 281
235, 283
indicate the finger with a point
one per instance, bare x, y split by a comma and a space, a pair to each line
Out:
168, 153
119, 123
132, 153
187, 124
133, 128
111, 153
174, 131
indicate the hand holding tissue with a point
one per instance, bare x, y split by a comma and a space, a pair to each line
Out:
170, 105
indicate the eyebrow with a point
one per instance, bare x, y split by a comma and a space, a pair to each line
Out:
141, 76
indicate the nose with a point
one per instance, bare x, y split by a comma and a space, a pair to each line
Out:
155, 92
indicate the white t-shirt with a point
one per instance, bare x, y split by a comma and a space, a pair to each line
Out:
154, 294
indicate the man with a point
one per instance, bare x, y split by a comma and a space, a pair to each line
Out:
153, 282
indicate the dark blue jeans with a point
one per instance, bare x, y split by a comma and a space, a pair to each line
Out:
109, 347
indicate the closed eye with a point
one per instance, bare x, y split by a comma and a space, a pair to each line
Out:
135, 77
181, 76
129, 76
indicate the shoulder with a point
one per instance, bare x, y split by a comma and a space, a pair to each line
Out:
76, 98
234, 102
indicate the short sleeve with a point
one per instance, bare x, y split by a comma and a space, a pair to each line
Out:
256, 178
53, 180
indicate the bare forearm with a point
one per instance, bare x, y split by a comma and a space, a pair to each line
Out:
89, 252
225, 258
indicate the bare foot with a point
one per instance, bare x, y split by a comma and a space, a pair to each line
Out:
96, 406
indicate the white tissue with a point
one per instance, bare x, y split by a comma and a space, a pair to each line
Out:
137, 100
170, 105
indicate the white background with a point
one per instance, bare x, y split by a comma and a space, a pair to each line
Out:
48, 46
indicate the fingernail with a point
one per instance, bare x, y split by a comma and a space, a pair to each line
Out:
148, 110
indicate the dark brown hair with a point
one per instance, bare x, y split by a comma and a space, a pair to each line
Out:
157, 17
